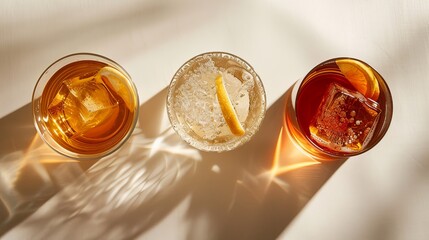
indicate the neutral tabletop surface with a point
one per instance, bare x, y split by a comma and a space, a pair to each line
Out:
158, 187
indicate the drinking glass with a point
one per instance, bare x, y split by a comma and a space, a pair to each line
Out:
216, 101
85, 106
343, 107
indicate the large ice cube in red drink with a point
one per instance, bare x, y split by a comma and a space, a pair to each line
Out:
345, 120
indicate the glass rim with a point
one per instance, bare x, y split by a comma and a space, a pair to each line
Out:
224, 146
384, 127
57, 147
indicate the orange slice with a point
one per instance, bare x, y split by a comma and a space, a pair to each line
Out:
361, 76
117, 81
227, 108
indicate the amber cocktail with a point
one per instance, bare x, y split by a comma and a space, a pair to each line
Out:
85, 106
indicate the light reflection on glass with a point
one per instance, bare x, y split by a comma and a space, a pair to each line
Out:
289, 158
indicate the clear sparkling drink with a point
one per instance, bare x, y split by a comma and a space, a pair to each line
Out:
216, 101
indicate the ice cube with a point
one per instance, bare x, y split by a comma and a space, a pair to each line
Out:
345, 120
81, 105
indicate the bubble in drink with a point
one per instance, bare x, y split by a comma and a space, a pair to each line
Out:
345, 120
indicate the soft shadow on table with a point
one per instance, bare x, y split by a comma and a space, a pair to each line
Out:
252, 192
255, 191
120, 196
27, 167
31, 172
